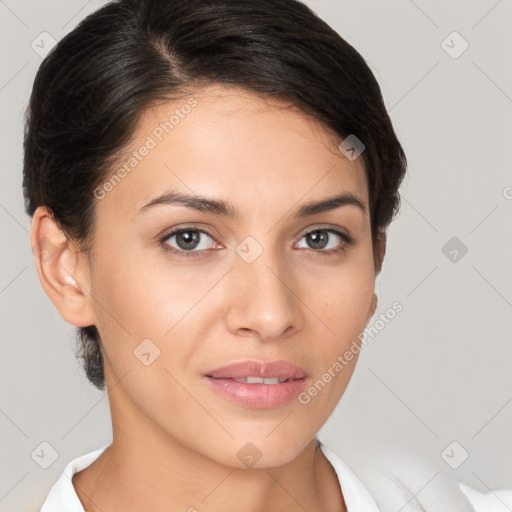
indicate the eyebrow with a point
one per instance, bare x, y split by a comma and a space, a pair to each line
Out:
225, 209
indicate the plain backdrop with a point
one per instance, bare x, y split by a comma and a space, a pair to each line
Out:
439, 372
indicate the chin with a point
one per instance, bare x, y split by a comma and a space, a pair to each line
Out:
258, 451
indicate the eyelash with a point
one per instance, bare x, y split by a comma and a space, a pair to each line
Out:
347, 242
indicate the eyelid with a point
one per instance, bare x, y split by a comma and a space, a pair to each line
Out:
178, 229
326, 227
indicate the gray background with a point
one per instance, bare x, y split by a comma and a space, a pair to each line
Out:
439, 371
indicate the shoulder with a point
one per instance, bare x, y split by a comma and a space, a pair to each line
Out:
401, 481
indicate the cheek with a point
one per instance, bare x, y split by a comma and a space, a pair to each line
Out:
343, 301
342, 306
136, 300
336, 343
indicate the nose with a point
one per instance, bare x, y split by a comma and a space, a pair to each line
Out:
262, 301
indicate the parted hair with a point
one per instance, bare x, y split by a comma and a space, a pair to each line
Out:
95, 83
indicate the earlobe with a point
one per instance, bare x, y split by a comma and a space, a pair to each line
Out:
62, 271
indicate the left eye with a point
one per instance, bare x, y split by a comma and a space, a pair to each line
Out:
321, 239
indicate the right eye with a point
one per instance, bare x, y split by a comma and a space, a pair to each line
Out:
191, 240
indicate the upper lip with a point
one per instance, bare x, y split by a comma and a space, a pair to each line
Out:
253, 368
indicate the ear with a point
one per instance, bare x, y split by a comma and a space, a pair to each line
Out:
373, 307
63, 271
380, 249
379, 252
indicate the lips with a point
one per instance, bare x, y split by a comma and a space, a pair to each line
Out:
266, 370
258, 384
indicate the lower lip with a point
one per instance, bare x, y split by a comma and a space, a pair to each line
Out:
260, 396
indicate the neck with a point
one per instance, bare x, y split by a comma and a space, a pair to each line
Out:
132, 477
147, 469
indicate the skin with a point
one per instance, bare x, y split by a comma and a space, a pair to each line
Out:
175, 442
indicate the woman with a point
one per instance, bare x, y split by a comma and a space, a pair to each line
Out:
210, 184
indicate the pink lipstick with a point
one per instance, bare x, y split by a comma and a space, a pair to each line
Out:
258, 384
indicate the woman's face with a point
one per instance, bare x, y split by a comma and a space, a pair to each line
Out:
263, 284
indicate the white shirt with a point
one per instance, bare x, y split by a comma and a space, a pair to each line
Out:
62, 496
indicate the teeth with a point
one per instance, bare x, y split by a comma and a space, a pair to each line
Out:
255, 380
260, 380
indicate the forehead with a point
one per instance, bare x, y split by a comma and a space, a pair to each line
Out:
231, 143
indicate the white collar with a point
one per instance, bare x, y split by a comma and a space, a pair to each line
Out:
63, 496
357, 496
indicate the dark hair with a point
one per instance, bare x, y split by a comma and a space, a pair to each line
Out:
91, 89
